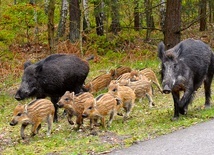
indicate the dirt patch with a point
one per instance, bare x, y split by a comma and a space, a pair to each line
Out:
5, 140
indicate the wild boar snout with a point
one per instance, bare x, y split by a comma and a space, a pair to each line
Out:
166, 89
20, 95
13, 123
17, 96
84, 115
60, 105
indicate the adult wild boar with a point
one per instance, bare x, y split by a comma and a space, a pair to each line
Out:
184, 68
52, 77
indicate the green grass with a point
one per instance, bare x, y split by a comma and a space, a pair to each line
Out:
145, 123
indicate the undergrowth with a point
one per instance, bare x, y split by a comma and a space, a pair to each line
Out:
144, 122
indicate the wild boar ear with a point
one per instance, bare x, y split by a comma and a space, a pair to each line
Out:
178, 51
27, 63
94, 103
161, 50
38, 68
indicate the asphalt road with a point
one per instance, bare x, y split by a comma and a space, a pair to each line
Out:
195, 140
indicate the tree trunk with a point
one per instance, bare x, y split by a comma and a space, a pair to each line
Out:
0, 9
32, 2
81, 25
99, 15
162, 13
149, 18
203, 10
62, 22
74, 16
115, 24
46, 6
51, 8
86, 15
211, 11
137, 24
172, 24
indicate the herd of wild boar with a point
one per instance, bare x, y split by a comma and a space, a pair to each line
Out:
62, 78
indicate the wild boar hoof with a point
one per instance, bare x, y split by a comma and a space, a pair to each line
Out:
71, 122
183, 111
174, 118
119, 114
94, 133
207, 106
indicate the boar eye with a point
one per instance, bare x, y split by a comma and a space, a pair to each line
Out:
66, 99
114, 90
175, 66
90, 108
19, 114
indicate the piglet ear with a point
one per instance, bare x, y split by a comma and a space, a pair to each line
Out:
67, 92
161, 50
72, 96
27, 63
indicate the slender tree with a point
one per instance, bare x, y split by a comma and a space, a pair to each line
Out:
0, 8
211, 11
74, 16
63, 16
86, 14
203, 11
36, 28
149, 18
137, 23
162, 13
172, 24
51, 8
46, 6
99, 15
115, 24
81, 25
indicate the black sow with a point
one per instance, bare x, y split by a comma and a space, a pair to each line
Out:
184, 68
53, 76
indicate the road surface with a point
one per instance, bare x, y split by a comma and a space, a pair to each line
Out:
194, 140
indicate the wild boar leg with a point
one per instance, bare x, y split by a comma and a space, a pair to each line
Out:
69, 117
207, 89
91, 123
79, 121
151, 103
176, 98
159, 87
128, 109
186, 99
50, 122
34, 129
54, 100
22, 130
111, 118
103, 122
39, 127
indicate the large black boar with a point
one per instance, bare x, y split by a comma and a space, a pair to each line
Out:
53, 76
184, 68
